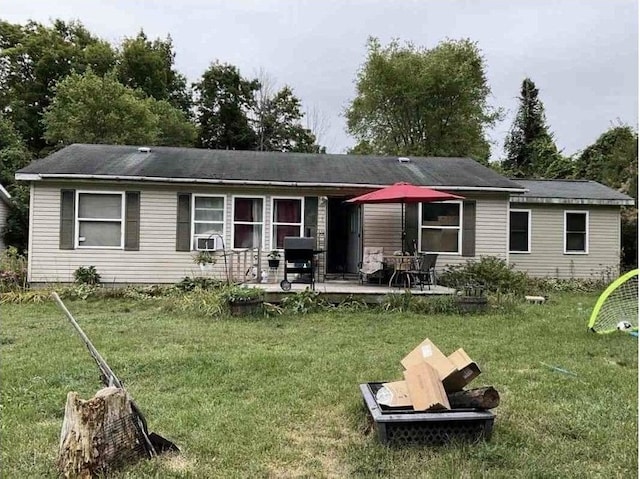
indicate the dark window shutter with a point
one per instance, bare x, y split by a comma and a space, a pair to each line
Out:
310, 216
132, 221
411, 226
67, 218
469, 228
183, 225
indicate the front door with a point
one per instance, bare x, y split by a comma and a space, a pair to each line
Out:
353, 240
343, 237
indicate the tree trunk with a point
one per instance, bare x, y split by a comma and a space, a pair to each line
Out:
97, 434
481, 398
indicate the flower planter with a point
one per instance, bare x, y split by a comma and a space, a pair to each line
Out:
206, 266
243, 308
274, 263
471, 304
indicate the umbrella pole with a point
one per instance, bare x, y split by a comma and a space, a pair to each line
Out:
404, 233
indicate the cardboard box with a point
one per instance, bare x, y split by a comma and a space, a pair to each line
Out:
428, 352
466, 371
425, 388
395, 394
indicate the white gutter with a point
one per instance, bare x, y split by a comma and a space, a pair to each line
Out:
571, 201
39, 177
4, 194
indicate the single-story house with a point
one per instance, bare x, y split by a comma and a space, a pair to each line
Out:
138, 214
5, 202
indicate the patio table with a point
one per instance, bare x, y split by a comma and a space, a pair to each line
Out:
401, 266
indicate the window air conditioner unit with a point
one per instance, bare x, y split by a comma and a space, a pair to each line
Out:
209, 243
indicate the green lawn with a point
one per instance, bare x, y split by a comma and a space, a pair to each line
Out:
278, 397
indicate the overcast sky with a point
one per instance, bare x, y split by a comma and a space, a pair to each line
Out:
582, 55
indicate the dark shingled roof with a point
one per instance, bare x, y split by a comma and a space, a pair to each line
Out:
571, 189
251, 166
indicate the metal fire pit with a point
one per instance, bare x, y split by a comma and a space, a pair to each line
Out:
407, 426
299, 258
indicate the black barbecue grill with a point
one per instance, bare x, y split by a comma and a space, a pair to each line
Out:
299, 258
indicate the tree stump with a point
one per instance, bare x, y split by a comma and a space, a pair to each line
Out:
98, 434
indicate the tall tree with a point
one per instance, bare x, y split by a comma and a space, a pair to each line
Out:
33, 57
13, 152
278, 124
529, 146
149, 66
13, 156
419, 101
613, 161
224, 100
92, 109
174, 127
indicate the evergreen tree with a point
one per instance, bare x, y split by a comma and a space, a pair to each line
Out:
529, 147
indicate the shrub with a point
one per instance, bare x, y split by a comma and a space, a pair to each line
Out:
489, 273
239, 294
303, 302
204, 257
189, 284
86, 275
13, 270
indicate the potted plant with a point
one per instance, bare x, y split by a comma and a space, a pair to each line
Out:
204, 259
273, 258
243, 300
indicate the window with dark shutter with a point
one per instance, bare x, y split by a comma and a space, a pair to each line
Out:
183, 222
132, 221
469, 228
67, 218
310, 216
441, 225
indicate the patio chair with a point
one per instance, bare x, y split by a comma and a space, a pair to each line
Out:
425, 271
372, 264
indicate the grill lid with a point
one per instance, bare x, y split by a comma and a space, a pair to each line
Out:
295, 242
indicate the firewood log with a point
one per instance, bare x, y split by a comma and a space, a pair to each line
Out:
480, 398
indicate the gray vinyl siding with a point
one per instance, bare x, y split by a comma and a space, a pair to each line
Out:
547, 257
4, 211
157, 260
383, 228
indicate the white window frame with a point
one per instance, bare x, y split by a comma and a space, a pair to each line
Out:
586, 232
194, 236
274, 223
233, 221
78, 220
519, 210
459, 228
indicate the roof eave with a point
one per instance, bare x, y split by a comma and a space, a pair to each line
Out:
572, 201
213, 181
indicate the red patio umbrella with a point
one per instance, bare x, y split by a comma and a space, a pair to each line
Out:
404, 193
